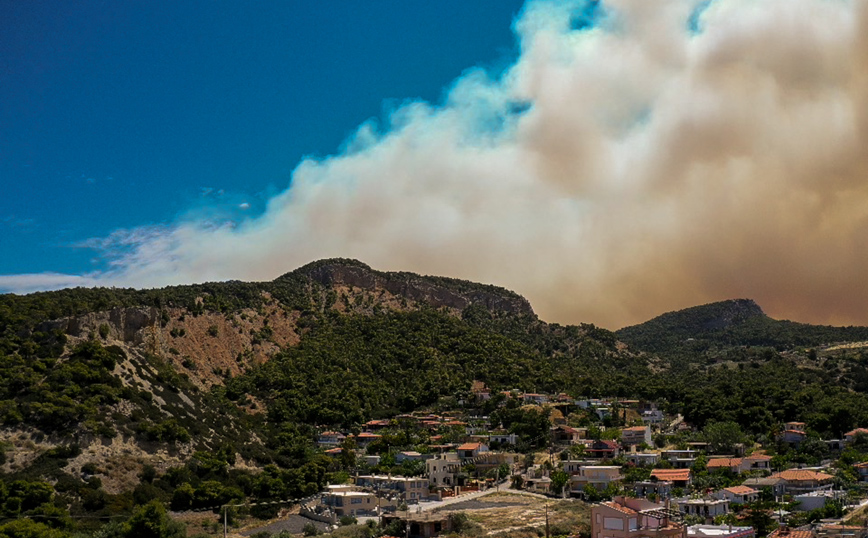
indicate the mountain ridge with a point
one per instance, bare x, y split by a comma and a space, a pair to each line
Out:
733, 322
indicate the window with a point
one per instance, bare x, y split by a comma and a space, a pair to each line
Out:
613, 523
356, 500
634, 524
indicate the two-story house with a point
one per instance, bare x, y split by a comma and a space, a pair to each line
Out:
636, 435
738, 494
598, 476
802, 480
706, 508
442, 469
625, 517
330, 439
680, 478
793, 433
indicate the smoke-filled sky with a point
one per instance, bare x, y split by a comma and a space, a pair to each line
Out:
634, 157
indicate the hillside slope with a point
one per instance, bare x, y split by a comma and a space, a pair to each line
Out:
737, 322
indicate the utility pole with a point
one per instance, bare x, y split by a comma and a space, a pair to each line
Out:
226, 520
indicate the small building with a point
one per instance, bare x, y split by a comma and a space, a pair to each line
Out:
646, 459
566, 434
680, 478
330, 438
661, 490
409, 455
442, 469
738, 494
625, 517
817, 499
680, 459
652, 416
798, 481
794, 433
410, 488
351, 503
851, 435
598, 476
728, 464
777, 485
603, 449
468, 451
862, 469
756, 462
503, 438
720, 531
538, 399
365, 438
636, 435
706, 508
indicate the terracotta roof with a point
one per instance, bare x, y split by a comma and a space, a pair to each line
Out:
862, 465
678, 475
790, 533
856, 431
634, 429
741, 490
369, 435
334, 451
470, 446
759, 457
720, 463
800, 475
620, 508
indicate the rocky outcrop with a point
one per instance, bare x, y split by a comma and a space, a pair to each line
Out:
129, 325
436, 292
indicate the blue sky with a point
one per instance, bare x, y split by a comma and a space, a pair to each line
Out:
117, 115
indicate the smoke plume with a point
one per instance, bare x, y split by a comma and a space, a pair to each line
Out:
637, 157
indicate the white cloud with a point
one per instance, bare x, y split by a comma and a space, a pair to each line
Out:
650, 169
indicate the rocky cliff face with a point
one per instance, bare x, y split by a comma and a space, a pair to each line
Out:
436, 292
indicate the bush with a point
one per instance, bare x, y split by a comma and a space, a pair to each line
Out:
348, 520
310, 529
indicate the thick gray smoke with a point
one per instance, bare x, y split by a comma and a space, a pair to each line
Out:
672, 154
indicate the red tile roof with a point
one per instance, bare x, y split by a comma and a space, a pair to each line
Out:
741, 490
759, 457
671, 475
790, 533
802, 475
723, 463
470, 446
634, 429
620, 508
857, 431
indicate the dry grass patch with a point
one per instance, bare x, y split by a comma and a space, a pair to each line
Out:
527, 517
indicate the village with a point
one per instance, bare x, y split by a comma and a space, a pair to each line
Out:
630, 461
